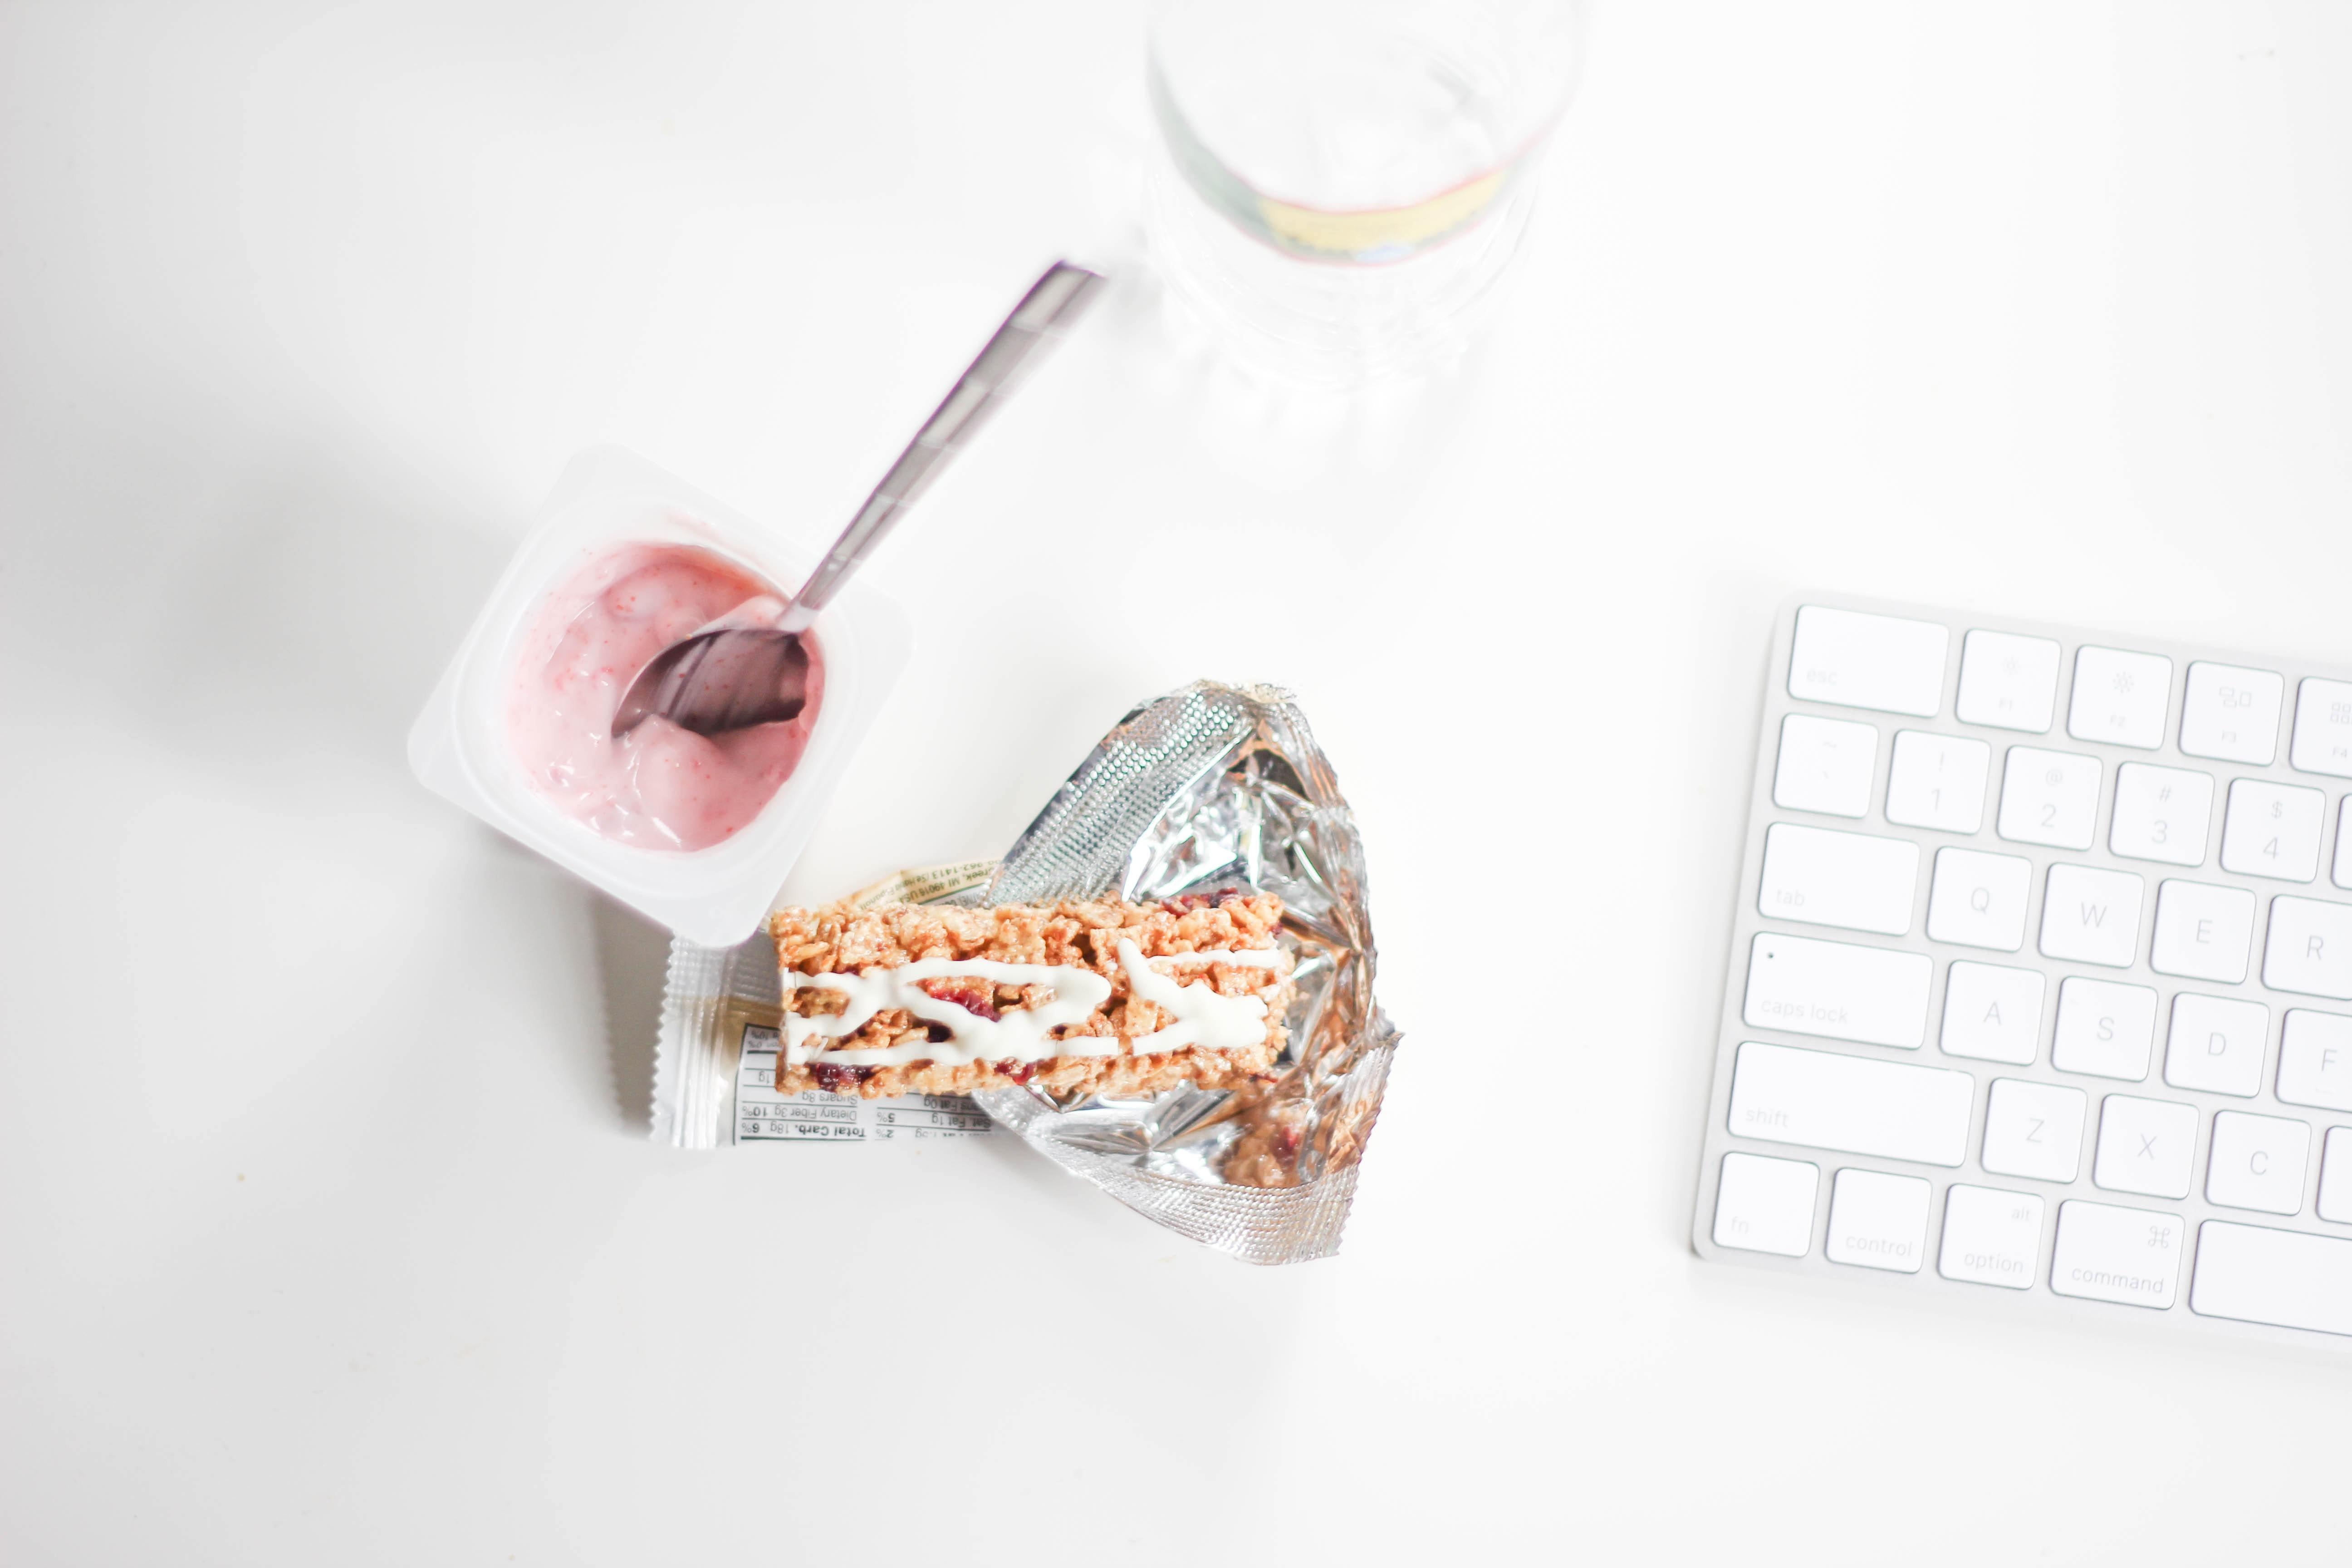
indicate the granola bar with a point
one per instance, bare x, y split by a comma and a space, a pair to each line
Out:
1100, 995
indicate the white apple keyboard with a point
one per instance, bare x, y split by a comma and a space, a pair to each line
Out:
2041, 985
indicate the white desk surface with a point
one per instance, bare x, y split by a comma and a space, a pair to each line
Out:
329, 1231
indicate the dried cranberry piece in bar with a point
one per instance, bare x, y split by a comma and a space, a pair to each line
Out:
973, 997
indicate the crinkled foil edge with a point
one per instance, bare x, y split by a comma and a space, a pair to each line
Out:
694, 1065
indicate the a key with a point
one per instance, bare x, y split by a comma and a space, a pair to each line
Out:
1825, 765
2119, 698
1838, 990
2341, 875
2335, 1204
2145, 1146
1979, 900
2322, 728
2202, 931
2113, 1253
1855, 1105
2231, 714
2034, 1130
2315, 1059
2105, 1027
2258, 1275
2273, 831
2310, 948
2257, 1162
2216, 1044
1877, 1221
2049, 797
1991, 1012
1938, 781
1991, 1237
2007, 681
1854, 880
2161, 814
1763, 1205
1859, 660
2091, 915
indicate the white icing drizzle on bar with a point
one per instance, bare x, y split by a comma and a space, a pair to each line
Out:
1202, 1016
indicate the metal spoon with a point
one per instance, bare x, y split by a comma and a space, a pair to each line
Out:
731, 679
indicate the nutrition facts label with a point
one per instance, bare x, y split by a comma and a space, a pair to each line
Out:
763, 1116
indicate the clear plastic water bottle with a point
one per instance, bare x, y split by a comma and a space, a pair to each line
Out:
1343, 182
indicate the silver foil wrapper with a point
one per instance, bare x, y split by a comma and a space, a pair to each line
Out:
1210, 788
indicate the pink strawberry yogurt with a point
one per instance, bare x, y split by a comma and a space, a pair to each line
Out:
657, 787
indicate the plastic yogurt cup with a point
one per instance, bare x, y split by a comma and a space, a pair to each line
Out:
612, 506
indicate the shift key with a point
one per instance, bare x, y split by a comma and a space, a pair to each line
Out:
1838, 990
1856, 1105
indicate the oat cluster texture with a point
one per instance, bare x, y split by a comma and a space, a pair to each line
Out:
840, 939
